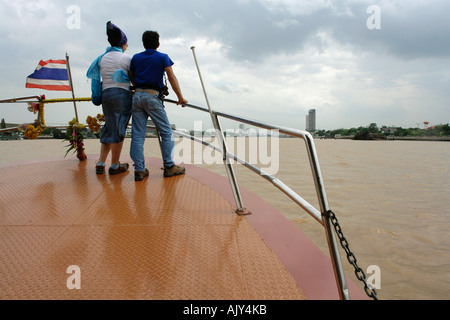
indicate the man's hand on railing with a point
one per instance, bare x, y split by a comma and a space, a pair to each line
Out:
182, 102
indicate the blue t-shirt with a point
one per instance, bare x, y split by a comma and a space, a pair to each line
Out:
148, 68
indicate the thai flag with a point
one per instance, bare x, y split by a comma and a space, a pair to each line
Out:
50, 75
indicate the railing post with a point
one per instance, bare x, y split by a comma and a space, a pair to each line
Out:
324, 208
230, 171
219, 133
335, 258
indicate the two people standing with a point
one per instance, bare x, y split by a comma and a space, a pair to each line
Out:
145, 71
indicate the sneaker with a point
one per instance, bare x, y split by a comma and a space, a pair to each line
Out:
140, 175
122, 168
173, 171
99, 169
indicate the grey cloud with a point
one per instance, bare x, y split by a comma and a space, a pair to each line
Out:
413, 35
407, 33
251, 31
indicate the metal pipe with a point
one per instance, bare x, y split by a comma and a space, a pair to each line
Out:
333, 247
9, 129
15, 100
69, 73
317, 174
229, 168
18, 100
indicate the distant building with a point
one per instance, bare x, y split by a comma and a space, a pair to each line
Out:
241, 131
311, 120
9, 135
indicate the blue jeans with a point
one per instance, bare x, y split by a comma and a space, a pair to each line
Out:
146, 105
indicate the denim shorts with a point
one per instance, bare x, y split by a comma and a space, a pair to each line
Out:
116, 104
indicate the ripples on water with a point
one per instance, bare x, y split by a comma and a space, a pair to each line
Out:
391, 198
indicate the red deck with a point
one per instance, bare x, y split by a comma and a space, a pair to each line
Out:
161, 238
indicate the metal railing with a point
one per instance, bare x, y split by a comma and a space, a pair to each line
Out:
322, 215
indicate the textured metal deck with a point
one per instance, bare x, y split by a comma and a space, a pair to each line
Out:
164, 239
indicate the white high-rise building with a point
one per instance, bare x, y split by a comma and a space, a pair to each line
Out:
311, 120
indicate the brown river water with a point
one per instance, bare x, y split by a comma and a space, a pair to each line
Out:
391, 198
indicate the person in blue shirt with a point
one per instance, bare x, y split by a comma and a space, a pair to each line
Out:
146, 74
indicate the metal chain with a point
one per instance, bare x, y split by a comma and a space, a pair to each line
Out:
370, 291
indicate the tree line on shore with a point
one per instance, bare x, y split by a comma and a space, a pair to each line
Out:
373, 131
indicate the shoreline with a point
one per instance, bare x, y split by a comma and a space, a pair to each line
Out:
389, 138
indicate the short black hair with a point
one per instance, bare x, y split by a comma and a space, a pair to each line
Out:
150, 39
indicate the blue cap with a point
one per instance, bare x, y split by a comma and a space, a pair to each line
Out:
116, 37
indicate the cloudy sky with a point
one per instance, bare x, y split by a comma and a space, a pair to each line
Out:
355, 62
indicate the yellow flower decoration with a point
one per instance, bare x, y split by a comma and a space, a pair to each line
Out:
33, 132
94, 123
73, 121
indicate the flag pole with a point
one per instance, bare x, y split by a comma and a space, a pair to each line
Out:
71, 86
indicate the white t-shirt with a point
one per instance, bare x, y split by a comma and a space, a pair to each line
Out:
110, 63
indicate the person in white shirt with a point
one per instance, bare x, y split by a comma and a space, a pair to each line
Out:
114, 65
